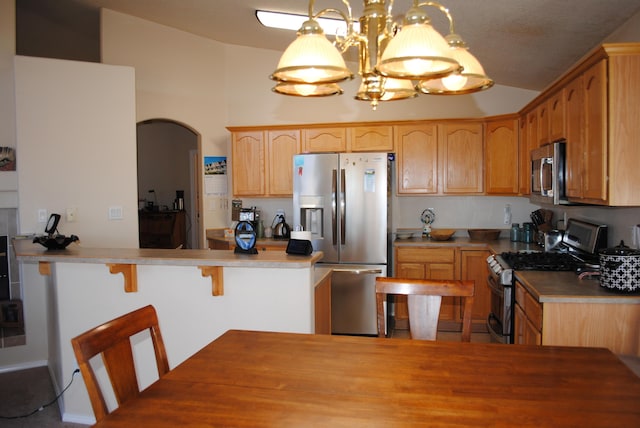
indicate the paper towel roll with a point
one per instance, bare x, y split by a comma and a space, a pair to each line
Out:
301, 234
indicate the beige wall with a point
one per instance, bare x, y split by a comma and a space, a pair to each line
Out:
179, 76
77, 148
251, 102
208, 86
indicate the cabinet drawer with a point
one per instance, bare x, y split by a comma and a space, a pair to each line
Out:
426, 255
530, 306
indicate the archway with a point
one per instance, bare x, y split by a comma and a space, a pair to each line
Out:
168, 156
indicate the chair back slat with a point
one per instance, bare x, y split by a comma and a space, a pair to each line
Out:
112, 341
423, 316
423, 303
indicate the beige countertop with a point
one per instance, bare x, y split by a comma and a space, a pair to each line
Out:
545, 286
26, 251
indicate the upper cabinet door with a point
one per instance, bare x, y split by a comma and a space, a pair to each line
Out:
417, 147
247, 150
543, 124
371, 139
501, 157
324, 140
462, 157
556, 106
524, 162
595, 137
573, 96
282, 145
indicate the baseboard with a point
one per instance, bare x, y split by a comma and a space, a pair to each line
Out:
23, 366
78, 419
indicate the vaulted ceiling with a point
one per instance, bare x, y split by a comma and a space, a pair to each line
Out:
521, 43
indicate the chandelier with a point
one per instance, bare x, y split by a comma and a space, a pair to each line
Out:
395, 61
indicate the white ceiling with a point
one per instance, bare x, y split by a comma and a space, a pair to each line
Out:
521, 43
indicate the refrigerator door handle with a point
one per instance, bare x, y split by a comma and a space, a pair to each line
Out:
343, 203
334, 226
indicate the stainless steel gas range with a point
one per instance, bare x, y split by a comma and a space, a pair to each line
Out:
577, 252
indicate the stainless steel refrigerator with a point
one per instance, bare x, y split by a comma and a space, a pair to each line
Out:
344, 201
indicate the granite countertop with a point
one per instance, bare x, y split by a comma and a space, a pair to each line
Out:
545, 286
26, 251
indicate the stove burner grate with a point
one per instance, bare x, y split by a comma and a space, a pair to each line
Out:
542, 261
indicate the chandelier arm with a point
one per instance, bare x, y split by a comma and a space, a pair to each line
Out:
442, 9
352, 37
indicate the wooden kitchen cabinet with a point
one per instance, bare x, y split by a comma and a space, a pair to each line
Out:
501, 156
426, 263
263, 162
370, 139
527, 318
524, 158
282, 145
462, 161
542, 111
248, 157
324, 140
322, 306
556, 107
417, 164
574, 127
473, 265
440, 158
601, 96
588, 162
533, 129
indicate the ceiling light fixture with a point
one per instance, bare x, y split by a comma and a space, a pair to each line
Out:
394, 61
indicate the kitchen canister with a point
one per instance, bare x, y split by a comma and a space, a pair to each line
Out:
620, 268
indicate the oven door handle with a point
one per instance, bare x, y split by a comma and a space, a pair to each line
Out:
497, 336
495, 287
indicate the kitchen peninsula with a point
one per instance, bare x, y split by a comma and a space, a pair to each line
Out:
198, 294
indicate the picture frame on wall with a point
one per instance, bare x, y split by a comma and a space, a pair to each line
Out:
7, 159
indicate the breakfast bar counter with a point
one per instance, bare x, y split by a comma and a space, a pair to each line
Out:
198, 295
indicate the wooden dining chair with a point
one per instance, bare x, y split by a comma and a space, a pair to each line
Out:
424, 297
112, 341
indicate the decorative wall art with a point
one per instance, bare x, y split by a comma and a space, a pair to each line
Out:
215, 175
7, 159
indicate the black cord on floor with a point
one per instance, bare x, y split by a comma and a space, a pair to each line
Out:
44, 406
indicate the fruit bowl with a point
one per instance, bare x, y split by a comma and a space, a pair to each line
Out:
441, 234
484, 234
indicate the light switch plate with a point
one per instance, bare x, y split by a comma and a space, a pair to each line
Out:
115, 213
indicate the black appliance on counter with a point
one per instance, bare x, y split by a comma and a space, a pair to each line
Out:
578, 251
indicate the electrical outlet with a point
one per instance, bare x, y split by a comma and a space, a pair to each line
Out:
507, 214
72, 214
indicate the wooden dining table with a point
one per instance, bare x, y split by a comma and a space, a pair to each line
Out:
265, 379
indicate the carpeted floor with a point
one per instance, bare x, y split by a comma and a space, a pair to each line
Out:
22, 392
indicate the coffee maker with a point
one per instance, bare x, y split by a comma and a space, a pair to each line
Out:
178, 203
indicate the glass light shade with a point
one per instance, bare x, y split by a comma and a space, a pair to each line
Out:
307, 90
472, 78
311, 59
417, 52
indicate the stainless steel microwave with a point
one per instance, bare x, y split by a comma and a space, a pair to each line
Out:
548, 174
